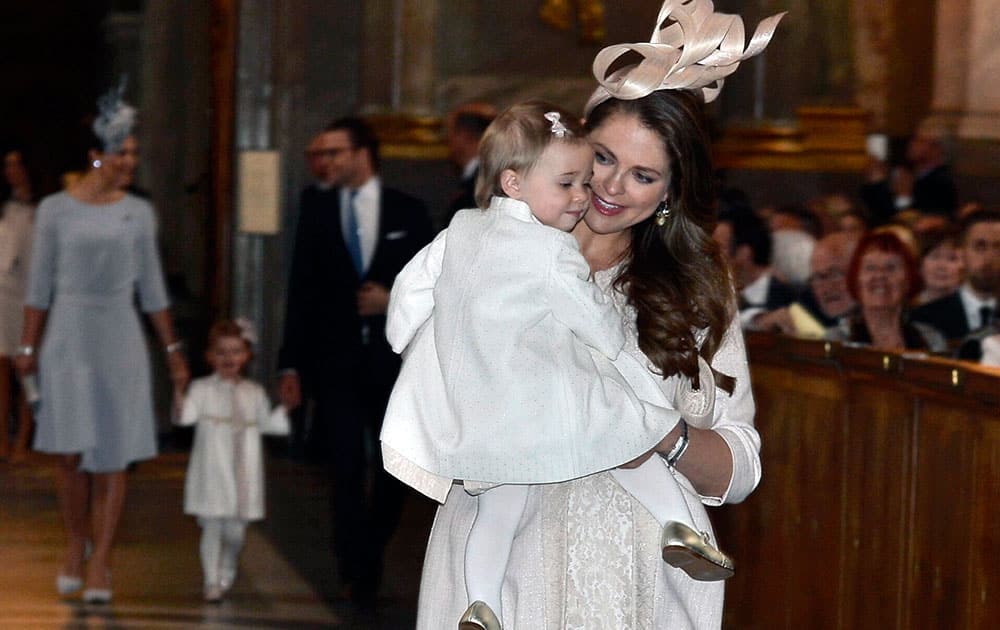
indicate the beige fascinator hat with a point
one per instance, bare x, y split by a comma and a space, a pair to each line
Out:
692, 48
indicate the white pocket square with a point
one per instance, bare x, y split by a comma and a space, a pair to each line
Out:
392, 236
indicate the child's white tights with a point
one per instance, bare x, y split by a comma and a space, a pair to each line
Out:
221, 543
490, 541
500, 509
656, 489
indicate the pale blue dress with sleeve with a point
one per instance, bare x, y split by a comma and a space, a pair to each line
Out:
92, 268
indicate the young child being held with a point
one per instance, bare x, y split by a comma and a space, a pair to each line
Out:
513, 370
224, 487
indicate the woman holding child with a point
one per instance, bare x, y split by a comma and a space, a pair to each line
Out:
587, 553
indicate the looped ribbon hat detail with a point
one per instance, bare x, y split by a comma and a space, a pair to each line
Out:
115, 118
692, 48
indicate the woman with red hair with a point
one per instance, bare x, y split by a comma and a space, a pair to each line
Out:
884, 278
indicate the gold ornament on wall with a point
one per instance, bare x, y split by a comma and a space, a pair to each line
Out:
589, 16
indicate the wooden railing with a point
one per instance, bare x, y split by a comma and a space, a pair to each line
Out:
879, 506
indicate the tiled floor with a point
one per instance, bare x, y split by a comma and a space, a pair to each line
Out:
287, 579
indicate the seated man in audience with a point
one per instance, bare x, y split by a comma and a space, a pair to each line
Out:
746, 242
827, 300
925, 185
966, 315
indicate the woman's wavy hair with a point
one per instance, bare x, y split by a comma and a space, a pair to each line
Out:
676, 277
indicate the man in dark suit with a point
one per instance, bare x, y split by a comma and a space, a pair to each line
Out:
466, 125
353, 237
925, 184
972, 309
746, 243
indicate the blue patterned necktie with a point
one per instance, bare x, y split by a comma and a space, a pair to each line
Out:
352, 235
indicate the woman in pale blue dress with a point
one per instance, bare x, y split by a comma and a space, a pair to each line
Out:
94, 260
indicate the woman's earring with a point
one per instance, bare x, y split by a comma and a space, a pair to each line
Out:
662, 212
96, 164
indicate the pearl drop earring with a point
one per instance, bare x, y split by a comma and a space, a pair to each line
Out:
662, 212
96, 164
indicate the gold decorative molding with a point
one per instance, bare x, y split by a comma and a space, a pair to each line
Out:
828, 139
821, 139
409, 137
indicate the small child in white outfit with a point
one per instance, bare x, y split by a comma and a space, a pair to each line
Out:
513, 370
224, 487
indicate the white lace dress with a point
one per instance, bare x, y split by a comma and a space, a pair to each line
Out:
587, 554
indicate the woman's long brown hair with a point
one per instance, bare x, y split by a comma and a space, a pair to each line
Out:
675, 276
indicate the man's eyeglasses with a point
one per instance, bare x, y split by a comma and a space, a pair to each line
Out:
332, 152
827, 275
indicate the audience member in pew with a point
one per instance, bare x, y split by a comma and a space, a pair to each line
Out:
795, 217
991, 351
826, 301
830, 210
746, 243
963, 314
941, 266
883, 277
853, 223
791, 252
924, 183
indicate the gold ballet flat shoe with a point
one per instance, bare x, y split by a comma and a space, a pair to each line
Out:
690, 551
479, 616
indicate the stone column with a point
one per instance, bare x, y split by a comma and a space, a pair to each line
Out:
981, 118
967, 60
398, 57
951, 55
873, 32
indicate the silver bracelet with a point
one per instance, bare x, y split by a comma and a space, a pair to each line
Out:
24, 350
677, 451
174, 347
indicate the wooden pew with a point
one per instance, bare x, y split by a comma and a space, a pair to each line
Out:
879, 505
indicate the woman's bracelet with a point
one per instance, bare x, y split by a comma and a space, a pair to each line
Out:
679, 446
176, 346
24, 350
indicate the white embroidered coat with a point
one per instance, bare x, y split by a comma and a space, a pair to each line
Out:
587, 555
225, 476
506, 376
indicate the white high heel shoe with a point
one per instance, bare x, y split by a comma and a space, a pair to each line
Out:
68, 584
98, 595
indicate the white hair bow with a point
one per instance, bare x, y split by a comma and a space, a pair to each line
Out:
559, 130
247, 331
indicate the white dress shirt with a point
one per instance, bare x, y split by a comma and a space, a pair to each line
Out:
755, 294
366, 207
972, 304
